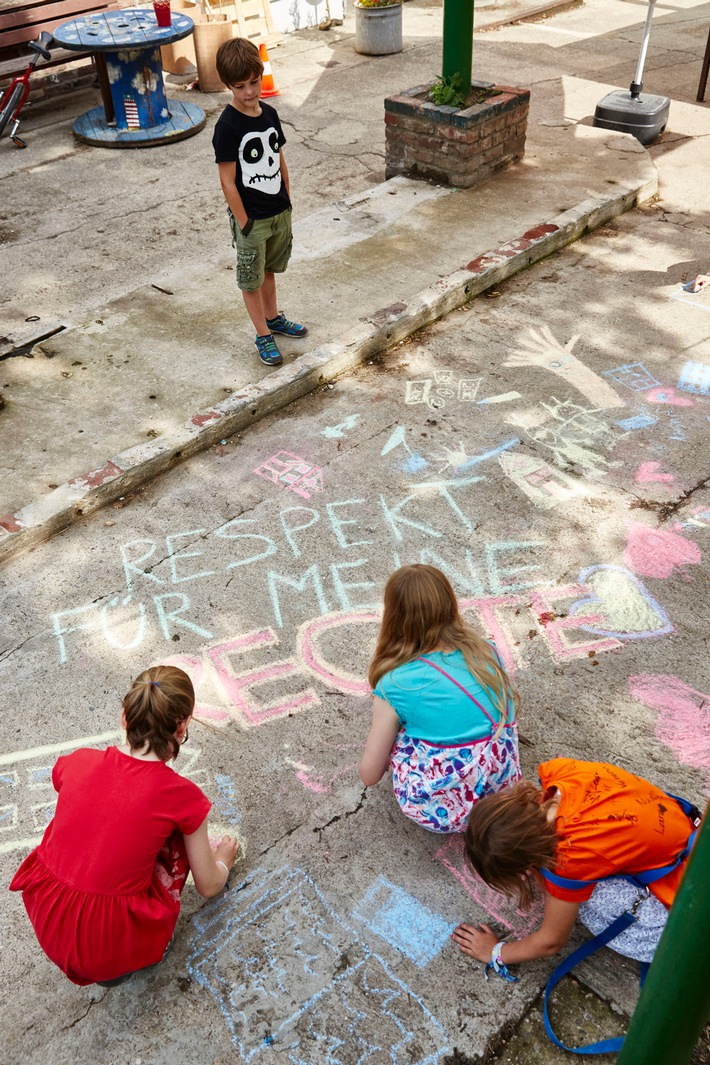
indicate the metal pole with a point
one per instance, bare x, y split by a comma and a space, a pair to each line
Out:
674, 1004
458, 41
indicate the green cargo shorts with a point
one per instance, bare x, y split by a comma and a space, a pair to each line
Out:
263, 244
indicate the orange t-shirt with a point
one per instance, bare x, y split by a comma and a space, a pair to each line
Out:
612, 823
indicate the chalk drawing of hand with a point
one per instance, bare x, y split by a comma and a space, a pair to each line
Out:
543, 350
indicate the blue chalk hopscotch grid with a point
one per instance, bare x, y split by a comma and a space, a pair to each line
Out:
402, 921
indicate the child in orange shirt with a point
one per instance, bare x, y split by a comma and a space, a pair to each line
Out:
587, 827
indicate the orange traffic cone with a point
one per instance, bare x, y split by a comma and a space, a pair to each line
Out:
268, 86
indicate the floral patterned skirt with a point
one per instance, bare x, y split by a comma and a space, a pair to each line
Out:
437, 786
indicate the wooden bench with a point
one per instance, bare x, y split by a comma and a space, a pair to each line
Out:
23, 20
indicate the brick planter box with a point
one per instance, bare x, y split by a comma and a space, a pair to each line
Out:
455, 147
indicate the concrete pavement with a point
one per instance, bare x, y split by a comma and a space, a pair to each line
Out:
94, 397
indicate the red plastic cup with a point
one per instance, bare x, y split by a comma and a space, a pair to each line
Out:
162, 12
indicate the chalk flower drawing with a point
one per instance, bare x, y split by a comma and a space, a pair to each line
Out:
544, 351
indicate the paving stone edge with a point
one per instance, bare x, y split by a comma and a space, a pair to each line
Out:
125, 472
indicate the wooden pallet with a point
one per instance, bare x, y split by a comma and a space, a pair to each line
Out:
252, 18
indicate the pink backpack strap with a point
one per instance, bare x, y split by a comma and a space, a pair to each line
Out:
460, 687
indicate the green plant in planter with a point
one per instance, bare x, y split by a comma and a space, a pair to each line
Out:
446, 92
378, 3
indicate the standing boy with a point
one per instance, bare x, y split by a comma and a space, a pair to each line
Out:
248, 142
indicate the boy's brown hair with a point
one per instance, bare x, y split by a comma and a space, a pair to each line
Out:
509, 840
238, 60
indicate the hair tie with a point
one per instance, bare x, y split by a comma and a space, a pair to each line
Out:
156, 683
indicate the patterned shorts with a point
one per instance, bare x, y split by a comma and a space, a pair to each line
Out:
437, 786
613, 897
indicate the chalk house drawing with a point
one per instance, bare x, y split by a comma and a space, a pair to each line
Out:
292, 472
288, 974
544, 351
544, 486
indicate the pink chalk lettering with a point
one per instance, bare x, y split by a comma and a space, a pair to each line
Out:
238, 685
488, 607
196, 671
309, 650
658, 552
683, 721
650, 473
542, 600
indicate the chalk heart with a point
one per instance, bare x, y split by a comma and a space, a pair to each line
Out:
622, 604
658, 552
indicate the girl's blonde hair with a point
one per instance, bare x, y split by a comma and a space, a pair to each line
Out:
420, 613
509, 839
160, 699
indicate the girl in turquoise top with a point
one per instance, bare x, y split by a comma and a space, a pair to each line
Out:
443, 717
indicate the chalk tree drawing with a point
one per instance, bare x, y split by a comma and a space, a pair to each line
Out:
634, 376
625, 608
573, 434
494, 905
658, 552
683, 721
403, 921
544, 351
292, 472
28, 799
289, 974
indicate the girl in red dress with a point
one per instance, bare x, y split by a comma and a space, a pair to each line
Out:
103, 888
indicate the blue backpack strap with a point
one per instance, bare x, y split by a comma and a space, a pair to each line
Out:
605, 1046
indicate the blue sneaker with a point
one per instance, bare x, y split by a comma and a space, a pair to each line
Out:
268, 352
281, 324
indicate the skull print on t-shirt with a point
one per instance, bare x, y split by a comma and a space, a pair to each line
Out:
253, 143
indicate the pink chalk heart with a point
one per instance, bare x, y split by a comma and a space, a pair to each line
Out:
651, 472
669, 396
658, 552
683, 721
623, 606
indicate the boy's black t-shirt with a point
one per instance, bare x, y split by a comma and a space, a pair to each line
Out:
254, 144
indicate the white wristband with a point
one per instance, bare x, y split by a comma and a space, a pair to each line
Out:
224, 866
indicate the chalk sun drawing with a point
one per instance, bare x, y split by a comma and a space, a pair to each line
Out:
624, 607
658, 552
683, 721
544, 351
288, 973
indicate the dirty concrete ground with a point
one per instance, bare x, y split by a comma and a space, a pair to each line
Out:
546, 493
133, 366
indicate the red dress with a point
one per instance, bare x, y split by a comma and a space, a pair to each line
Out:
102, 890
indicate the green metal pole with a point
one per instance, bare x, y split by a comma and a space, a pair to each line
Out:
674, 1005
458, 41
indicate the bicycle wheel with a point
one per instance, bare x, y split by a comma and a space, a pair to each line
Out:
8, 108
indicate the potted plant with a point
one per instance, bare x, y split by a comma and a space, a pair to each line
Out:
455, 131
378, 26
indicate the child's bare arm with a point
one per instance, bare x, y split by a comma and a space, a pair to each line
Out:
550, 938
209, 877
383, 731
228, 181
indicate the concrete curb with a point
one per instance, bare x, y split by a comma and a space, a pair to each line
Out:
123, 473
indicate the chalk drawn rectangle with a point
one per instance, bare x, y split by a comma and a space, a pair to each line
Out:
402, 921
699, 300
289, 974
633, 375
639, 421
